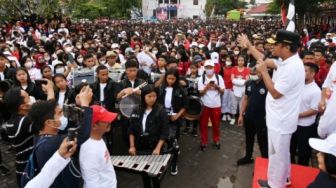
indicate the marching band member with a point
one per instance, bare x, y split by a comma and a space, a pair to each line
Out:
173, 98
211, 87
126, 87
192, 91
149, 129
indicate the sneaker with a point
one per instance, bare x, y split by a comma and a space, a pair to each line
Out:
224, 118
244, 160
217, 145
233, 121
4, 171
288, 182
229, 117
202, 147
174, 171
194, 133
263, 183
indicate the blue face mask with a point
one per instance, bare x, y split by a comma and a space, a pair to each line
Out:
209, 72
64, 123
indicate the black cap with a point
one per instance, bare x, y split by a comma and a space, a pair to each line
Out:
287, 37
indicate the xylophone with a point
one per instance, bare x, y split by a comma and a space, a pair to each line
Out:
153, 165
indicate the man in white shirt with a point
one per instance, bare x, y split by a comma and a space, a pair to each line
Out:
96, 167
211, 87
146, 58
328, 87
282, 102
308, 110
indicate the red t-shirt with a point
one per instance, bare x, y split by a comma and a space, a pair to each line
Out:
243, 74
182, 67
227, 77
322, 73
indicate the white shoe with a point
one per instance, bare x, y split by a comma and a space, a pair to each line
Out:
233, 121
228, 117
224, 118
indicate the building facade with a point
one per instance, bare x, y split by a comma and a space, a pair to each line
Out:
169, 9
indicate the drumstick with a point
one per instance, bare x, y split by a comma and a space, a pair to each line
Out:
137, 88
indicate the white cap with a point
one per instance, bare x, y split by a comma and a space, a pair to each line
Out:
115, 45
215, 57
201, 45
327, 145
209, 63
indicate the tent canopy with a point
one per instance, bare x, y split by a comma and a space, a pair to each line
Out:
233, 15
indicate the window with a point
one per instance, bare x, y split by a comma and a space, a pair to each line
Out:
160, 1
173, 1
195, 2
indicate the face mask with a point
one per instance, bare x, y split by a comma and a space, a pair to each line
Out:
64, 123
236, 52
228, 63
24, 54
254, 77
80, 60
155, 52
47, 58
28, 65
59, 71
79, 46
209, 71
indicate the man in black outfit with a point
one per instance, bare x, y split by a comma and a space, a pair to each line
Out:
104, 92
252, 116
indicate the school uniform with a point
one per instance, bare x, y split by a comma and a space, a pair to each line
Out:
211, 109
311, 96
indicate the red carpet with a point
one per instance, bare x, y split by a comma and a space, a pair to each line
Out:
301, 175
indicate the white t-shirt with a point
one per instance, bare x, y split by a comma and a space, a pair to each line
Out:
212, 98
147, 59
327, 121
144, 119
2, 76
168, 97
61, 98
282, 114
34, 74
102, 87
311, 96
330, 81
96, 167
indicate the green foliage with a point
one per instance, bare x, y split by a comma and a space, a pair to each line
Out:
301, 6
222, 6
17, 8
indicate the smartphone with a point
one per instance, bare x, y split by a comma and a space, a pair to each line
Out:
72, 134
39, 83
212, 82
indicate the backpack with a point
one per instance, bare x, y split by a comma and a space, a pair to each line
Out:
217, 78
31, 169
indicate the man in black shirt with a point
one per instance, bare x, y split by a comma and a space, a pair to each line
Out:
19, 127
253, 115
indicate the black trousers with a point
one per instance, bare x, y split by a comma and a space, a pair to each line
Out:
253, 127
192, 124
300, 145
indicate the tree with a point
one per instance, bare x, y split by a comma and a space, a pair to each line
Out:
17, 8
301, 7
222, 6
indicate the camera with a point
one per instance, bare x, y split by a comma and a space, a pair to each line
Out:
73, 113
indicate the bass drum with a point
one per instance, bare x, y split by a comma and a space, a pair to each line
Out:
194, 108
128, 104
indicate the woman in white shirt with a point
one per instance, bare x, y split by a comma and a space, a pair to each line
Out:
63, 93
33, 72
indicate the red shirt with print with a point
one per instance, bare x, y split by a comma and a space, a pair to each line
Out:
240, 74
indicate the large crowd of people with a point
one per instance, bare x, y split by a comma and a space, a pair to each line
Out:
277, 84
